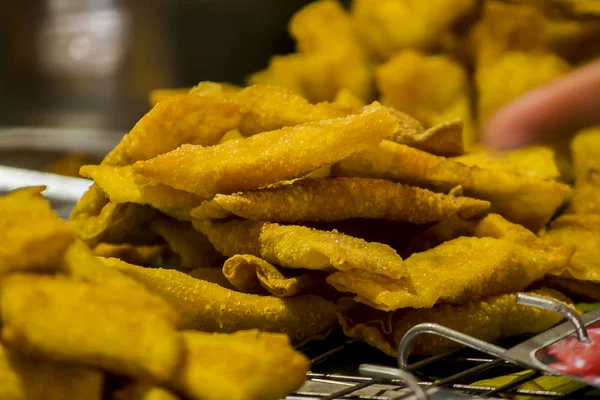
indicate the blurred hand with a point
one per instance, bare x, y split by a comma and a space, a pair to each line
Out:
558, 109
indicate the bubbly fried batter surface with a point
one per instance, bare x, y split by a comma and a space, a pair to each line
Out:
294, 246
265, 158
334, 199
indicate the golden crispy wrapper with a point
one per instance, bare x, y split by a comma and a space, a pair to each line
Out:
274, 107
32, 236
119, 185
530, 202
180, 119
579, 232
431, 88
193, 247
533, 161
80, 264
176, 120
209, 307
389, 26
239, 366
148, 256
214, 275
441, 232
526, 71
444, 139
334, 199
26, 378
586, 194
75, 322
329, 56
265, 158
487, 319
583, 232
497, 227
455, 272
510, 48
294, 246
114, 223
251, 274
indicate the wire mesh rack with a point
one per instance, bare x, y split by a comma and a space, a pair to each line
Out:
334, 375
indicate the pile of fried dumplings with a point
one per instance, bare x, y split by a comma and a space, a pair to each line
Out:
232, 225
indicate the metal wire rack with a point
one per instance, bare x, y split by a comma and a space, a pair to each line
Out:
335, 375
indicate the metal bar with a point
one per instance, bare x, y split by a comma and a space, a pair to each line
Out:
328, 354
349, 390
394, 373
436, 329
471, 371
546, 304
430, 360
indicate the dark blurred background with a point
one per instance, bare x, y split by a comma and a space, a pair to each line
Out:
91, 63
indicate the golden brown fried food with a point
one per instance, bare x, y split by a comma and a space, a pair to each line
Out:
433, 89
530, 202
533, 161
80, 264
329, 56
251, 274
388, 26
334, 199
214, 275
508, 27
445, 139
209, 307
113, 223
119, 185
273, 107
249, 365
455, 272
523, 72
265, 158
32, 236
409, 129
397, 235
511, 56
583, 232
177, 120
488, 319
586, 194
441, 232
294, 246
68, 321
193, 247
27, 378
148, 256
497, 227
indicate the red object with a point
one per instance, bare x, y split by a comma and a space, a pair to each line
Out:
578, 358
